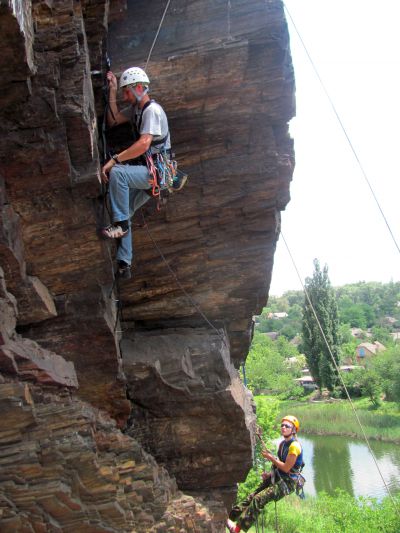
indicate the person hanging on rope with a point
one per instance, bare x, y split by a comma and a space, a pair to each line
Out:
129, 185
283, 478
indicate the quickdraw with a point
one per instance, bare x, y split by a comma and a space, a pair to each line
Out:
162, 172
155, 188
166, 171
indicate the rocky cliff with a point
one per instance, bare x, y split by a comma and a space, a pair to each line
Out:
122, 408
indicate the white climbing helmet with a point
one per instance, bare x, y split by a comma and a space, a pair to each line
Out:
132, 76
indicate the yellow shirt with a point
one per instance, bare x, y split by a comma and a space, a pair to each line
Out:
294, 449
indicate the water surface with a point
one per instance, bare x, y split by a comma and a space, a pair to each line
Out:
346, 463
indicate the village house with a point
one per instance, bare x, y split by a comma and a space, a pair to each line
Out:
273, 335
278, 316
368, 349
389, 321
307, 382
349, 368
358, 333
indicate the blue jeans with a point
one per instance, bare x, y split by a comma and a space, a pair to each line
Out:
127, 193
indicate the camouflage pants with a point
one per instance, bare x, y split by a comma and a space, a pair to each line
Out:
245, 513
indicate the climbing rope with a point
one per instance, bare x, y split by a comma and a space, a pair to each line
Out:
181, 287
297, 271
340, 376
104, 187
118, 302
344, 131
158, 31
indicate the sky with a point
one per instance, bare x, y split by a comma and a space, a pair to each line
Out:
332, 215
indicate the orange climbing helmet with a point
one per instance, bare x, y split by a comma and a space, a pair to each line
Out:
293, 420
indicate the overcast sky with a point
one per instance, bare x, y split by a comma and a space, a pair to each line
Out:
332, 216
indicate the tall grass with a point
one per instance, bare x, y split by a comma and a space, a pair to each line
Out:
331, 514
339, 419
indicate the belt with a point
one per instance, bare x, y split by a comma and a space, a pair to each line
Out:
168, 152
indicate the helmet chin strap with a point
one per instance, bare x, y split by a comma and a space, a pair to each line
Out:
139, 97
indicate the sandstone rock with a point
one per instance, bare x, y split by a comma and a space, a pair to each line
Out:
27, 360
187, 397
34, 300
81, 472
203, 263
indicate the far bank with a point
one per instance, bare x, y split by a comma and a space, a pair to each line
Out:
338, 418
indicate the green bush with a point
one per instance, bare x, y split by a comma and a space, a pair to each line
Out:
267, 412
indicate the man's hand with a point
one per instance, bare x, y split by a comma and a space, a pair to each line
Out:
106, 169
112, 81
267, 455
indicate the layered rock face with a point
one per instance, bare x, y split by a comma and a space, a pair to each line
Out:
110, 413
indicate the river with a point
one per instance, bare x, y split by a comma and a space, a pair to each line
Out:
346, 463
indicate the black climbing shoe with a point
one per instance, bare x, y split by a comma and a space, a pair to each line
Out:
123, 271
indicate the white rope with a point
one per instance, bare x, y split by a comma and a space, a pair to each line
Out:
345, 132
182, 288
158, 31
340, 376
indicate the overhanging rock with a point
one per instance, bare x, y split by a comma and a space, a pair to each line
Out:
187, 398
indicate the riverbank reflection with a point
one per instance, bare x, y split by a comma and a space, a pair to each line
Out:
341, 462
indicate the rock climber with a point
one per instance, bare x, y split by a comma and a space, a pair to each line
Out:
128, 183
283, 478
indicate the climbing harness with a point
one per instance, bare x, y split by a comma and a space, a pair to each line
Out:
162, 168
278, 480
163, 172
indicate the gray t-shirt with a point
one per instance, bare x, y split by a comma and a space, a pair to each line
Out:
154, 122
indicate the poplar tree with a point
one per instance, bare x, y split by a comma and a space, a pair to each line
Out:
314, 347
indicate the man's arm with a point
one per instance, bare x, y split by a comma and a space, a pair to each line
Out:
284, 466
135, 150
114, 117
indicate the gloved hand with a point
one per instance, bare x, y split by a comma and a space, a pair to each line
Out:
265, 476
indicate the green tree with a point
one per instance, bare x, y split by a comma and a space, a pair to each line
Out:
264, 363
267, 366
387, 366
371, 386
381, 334
322, 297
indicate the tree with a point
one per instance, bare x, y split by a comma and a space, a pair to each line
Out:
371, 386
322, 297
387, 365
263, 364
